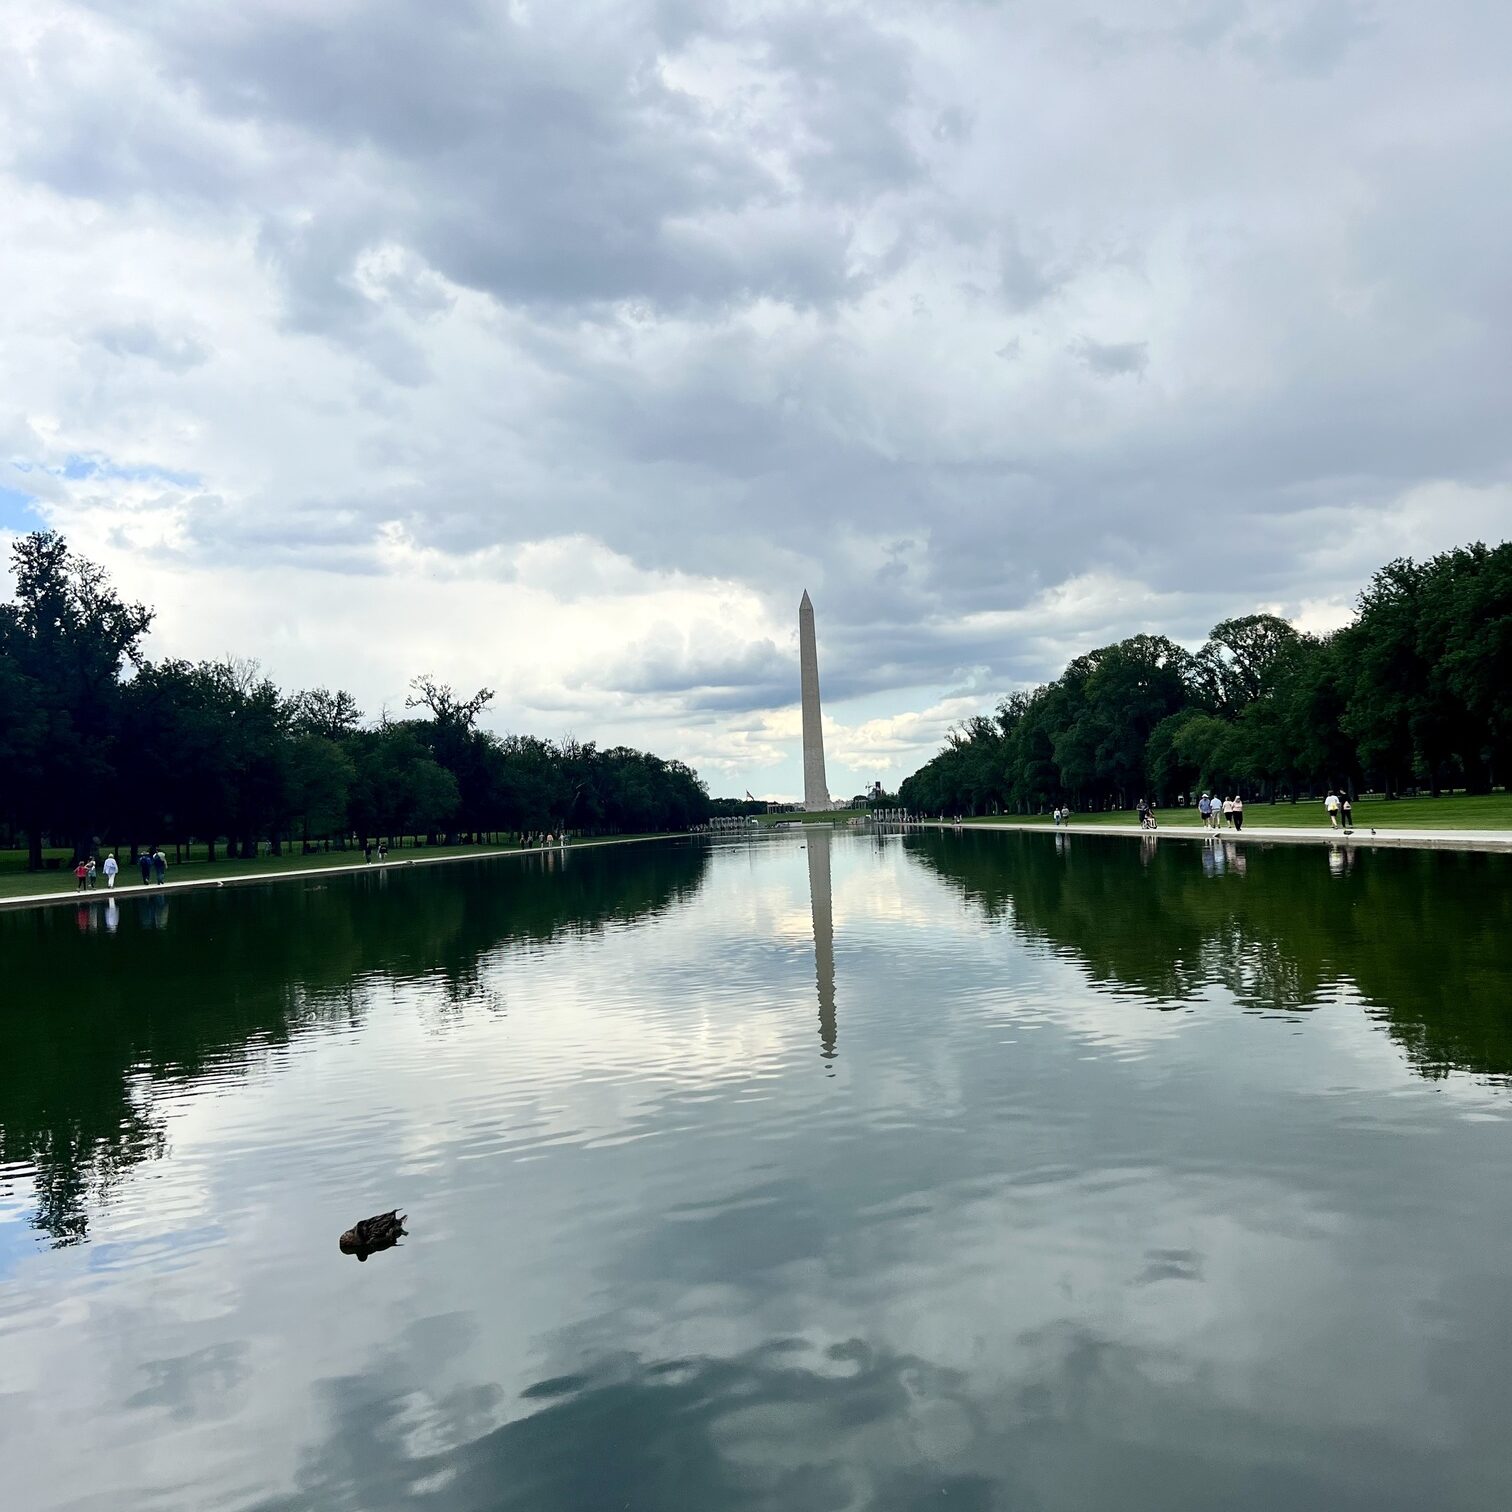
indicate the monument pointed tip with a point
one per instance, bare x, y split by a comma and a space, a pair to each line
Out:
805, 600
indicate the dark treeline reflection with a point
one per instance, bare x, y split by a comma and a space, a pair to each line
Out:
1421, 935
171, 990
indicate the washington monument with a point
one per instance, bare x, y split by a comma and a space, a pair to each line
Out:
816, 796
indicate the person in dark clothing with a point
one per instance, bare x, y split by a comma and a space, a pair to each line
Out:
145, 862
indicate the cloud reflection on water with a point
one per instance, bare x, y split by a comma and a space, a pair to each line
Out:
1006, 1252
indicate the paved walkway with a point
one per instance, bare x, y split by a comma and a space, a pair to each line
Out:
127, 887
1421, 839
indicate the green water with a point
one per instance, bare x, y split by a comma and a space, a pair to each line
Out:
824, 1172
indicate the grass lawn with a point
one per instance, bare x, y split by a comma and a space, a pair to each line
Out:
1489, 811
16, 881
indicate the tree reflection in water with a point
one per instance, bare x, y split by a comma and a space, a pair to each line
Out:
1281, 928
148, 1007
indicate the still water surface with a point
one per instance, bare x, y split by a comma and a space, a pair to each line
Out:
964, 1171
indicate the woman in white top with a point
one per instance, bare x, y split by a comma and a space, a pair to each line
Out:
112, 866
1228, 811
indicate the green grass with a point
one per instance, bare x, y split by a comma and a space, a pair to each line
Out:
16, 881
1489, 811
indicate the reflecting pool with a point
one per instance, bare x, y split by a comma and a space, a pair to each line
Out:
824, 1171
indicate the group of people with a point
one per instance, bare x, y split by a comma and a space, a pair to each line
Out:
1340, 811
367, 850
1216, 811
154, 865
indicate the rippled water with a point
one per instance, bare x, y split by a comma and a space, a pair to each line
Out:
964, 1171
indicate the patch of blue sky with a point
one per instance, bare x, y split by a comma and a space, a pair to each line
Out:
163, 1252
18, 1241
17, 510
78, 467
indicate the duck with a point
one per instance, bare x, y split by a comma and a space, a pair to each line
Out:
380, 1232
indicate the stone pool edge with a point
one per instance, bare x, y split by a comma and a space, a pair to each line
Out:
1461, 840
99, 893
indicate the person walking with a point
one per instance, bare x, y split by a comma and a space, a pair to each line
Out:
382, 851
1238, 811
159, 866
1205, 810
1226, 812
1331, 808
1346, 813
112, 866
81, 872
145, 862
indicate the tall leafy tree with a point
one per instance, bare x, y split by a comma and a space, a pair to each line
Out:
64, 640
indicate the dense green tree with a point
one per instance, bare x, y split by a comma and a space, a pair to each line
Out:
213, 751
319, 711
64, 641
1416, 691
1242, 660
321, 776
399, 789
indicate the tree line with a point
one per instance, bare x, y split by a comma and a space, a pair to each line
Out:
1415, 693
99, 745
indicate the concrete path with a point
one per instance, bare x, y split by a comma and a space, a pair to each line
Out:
126, 888
1420, 839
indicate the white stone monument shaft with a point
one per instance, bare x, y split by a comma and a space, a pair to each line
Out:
815, 789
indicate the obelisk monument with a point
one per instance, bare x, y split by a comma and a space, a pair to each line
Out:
816, 796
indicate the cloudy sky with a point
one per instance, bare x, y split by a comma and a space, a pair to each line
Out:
559, 347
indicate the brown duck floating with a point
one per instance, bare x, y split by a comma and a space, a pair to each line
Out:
380, 1232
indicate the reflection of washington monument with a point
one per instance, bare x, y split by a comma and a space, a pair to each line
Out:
824, 937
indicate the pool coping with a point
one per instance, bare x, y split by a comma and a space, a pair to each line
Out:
1363, 835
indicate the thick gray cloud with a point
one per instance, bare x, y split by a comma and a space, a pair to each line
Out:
1113, 359
966, 317
139, 339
